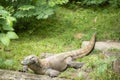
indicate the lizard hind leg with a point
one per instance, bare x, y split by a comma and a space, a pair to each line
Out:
52, 72
74, 64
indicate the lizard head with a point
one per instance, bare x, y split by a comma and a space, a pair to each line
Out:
32, 59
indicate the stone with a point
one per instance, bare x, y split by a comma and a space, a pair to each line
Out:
116, 66
116, 63
15, 75
103, 45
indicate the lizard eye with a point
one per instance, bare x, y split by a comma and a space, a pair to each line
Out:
32, 58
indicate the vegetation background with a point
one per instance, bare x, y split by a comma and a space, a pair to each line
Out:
55, 26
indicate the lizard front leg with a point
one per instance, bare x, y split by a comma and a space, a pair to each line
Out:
52, 72
24, 69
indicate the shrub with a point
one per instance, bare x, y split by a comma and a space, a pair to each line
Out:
113, 3
6, 27
23, 10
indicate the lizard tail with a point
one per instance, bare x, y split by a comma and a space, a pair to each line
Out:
83, 51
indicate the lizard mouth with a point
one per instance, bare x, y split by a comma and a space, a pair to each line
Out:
23, 63
27, 63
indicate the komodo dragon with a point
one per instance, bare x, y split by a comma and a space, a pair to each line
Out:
53, 65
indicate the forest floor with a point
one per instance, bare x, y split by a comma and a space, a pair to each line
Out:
64, 31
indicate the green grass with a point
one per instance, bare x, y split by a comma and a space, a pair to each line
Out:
56, 34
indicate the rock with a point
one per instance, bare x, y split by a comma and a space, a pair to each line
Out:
116, 66
103, 45
116, 63
15, 75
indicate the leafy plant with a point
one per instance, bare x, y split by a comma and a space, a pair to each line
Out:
113, 3
93, 2
25, 10
55, 2
6, 27
41, 9
38, 11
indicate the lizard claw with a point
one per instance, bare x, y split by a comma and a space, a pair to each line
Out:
24, 69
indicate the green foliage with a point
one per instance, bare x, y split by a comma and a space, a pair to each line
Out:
41, 9
40, 12
104, 70
26, 7
55, 2
4, 39
12, 35
34, 9
113, 3
99, 68
93, 2
7, 64
6, 27
25, 11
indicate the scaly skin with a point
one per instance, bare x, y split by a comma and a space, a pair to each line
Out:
53, 65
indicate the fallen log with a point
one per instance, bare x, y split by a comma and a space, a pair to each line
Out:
103, 45
15, 75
